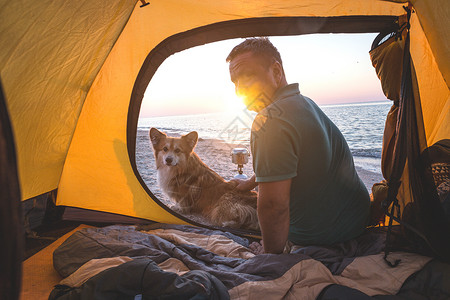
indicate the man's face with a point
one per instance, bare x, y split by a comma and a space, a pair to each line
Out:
254, 82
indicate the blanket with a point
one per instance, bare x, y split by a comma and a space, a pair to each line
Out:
184, 262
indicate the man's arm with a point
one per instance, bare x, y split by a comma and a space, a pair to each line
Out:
273, 214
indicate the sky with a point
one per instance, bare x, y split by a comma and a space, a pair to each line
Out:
330, 69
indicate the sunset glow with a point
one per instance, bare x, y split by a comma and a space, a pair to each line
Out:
330, 69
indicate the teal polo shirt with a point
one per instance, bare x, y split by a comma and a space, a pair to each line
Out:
293, 138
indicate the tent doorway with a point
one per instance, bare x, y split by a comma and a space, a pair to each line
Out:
191, 91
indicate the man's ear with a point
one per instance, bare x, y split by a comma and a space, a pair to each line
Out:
278, 72
191, 139
156, 136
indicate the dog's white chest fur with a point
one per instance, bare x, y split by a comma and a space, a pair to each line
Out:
165, 175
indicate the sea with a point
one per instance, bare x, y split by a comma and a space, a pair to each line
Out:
362, 125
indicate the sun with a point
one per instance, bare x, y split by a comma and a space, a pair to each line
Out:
235, 104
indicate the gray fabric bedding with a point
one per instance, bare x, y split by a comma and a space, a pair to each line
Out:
185, 262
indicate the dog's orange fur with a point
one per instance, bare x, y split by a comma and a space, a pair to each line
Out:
197, 189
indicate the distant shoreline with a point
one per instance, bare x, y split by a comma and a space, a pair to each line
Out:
376, 102
356, 103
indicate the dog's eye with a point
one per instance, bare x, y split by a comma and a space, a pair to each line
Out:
177, 150
165, 149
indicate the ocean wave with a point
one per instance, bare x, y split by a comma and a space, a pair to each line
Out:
371, 153
166, 130
371, 164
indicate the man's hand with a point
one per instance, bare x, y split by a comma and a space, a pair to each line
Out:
244, 185
257, 248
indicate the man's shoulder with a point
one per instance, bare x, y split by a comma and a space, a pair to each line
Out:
273, 120
284, 108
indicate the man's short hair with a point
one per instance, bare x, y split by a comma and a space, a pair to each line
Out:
260, 46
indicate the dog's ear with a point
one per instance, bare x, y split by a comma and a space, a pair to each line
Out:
191, 139
156, 136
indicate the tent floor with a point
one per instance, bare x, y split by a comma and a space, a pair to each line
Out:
38, 275
46, 234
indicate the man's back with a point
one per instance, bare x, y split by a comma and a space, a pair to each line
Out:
293, 138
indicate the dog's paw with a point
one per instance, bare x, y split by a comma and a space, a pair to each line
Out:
230, 224
178, 209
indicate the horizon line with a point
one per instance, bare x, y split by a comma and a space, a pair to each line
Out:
371, 102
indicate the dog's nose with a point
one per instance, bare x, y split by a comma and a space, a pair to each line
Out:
169, 160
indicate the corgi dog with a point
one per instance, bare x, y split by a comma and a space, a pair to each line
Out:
197, 189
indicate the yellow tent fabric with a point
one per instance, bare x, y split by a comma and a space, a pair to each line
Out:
69, 70
433, 89
50, 54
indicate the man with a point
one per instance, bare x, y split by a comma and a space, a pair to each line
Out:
308, 188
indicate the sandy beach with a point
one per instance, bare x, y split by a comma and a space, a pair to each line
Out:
217, 155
